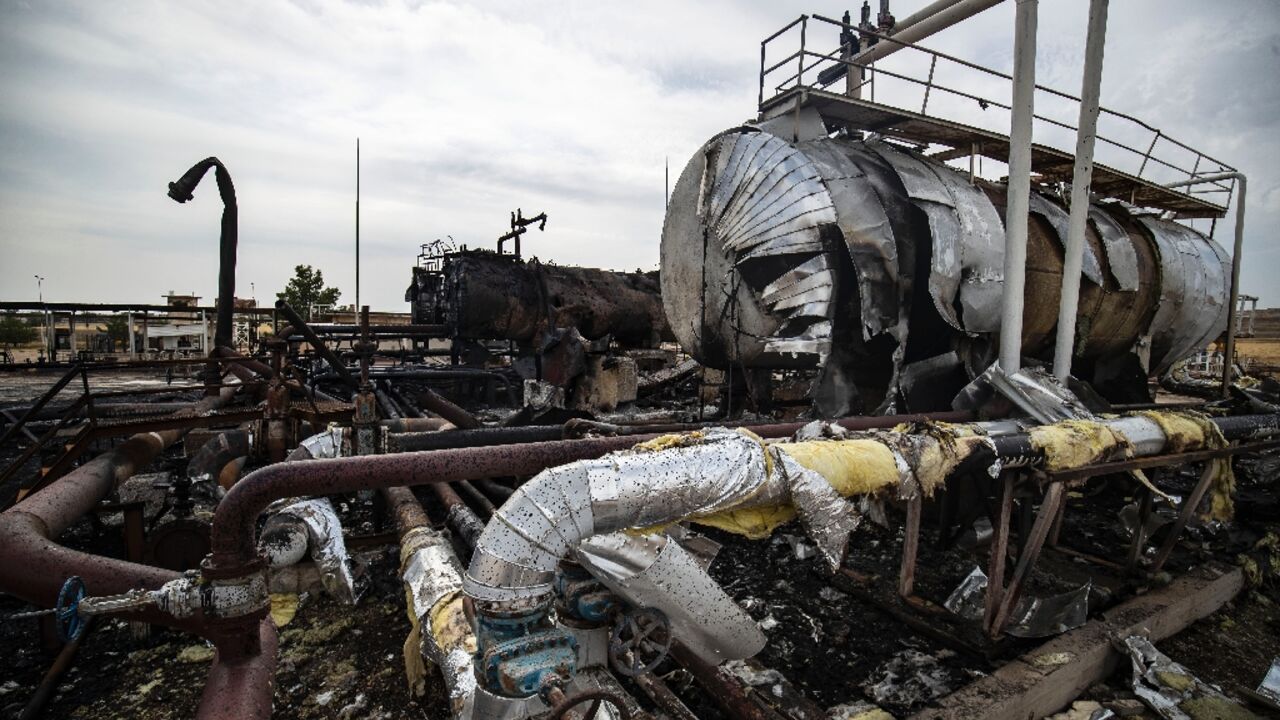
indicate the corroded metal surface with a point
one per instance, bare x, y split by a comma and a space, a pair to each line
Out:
488, 296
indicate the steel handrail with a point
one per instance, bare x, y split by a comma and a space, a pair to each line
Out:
1149, 157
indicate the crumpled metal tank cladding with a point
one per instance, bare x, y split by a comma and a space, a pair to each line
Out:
748, 269
761, 233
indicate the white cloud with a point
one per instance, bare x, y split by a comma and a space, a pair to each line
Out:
466, 112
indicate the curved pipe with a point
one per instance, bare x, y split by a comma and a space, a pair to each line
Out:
28, 529
548, 517
236, 516
181, 191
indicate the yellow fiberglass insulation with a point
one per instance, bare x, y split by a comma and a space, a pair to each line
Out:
1073, 444
856, 466
1187, 431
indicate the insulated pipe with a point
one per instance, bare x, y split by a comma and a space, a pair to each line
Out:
550, 515
235, 519
432, 578
1082, 177
1017, 217
181, 191
1229, 361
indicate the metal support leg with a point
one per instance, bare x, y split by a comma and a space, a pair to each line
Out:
999, 548
1027, 558
910, 546
1188, 506
1139, 532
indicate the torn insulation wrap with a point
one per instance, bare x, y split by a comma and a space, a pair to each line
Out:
655, 571
433, 582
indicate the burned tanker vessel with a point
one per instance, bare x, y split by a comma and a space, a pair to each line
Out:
792, 244
876, 441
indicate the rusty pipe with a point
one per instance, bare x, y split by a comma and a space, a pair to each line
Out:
49, 684
405, 509
28, 529
234, 521
442, 406
222, 449
241, 688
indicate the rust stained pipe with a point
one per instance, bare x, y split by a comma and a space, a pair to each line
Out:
234, 522
241, 688
442, 406
28, 529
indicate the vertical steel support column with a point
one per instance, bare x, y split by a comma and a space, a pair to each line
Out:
1082, 177
1016, 212
1235, 268
129, 335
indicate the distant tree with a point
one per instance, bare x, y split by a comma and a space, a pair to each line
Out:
118, 330
15, 331
306, 289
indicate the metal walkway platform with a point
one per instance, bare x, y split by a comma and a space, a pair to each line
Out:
1049, 163
958, 140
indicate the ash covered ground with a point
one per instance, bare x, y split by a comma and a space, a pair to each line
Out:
830, 640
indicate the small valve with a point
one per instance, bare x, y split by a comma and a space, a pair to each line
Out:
640, 641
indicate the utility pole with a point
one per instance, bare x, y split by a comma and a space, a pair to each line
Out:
357, 223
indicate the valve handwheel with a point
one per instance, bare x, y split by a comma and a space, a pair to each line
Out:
640, 641
67, 612
565, 703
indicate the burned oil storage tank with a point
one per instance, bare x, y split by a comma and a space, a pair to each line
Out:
882, 271
483, 295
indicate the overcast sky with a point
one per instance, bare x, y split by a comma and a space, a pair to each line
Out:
466, 112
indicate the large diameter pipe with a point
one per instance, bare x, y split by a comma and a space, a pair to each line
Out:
29, 528
1017, 217
235, 519
1082, 177
241, 688
1236, 250
941, 15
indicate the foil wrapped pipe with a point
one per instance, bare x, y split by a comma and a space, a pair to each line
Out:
322, 445
318, 523
433, 587
546, 518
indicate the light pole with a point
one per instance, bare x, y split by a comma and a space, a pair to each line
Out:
44, 315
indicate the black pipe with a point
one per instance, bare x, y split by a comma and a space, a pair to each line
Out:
181, 191
300, 325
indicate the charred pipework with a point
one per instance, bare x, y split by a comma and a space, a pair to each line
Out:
181, 191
